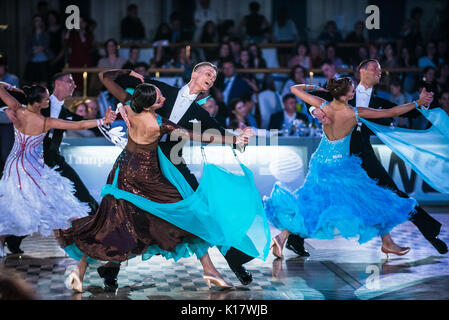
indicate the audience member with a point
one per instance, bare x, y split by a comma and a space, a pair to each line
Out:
131, 27
301, 58
204, 14
5, 76
232, 85
286, 118
38, 52
330, 33
134, 55
112, 59
254, 23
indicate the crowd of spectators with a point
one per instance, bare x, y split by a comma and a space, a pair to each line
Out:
242, 99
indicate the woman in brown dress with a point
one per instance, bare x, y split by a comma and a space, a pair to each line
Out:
120, 230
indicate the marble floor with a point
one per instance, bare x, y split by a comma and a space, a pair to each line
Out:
336, 269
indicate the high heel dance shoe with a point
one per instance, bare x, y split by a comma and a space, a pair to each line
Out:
404, 250
73, 281
277, 249
219, 282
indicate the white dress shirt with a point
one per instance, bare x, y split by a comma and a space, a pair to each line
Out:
362, 98
55, 106
182, 103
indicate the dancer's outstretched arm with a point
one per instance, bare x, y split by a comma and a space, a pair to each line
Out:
207, 137
54, 123
425, 99
300, 90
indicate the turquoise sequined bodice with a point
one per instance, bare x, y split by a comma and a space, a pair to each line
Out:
332, 151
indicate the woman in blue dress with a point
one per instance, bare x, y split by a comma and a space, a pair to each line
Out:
338, 193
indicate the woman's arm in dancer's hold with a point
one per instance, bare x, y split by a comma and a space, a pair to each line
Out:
301, 91
10, 101
107, 78
54, 123
209, 137
425, 99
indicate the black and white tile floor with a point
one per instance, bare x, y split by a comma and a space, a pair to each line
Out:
337, 269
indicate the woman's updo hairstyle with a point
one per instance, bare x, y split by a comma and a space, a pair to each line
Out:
338, 87
34, 93
144, 96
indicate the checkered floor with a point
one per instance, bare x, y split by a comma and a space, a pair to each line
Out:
336, 269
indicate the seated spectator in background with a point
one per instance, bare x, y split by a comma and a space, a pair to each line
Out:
177, 34
429, 82
332, 56
284, 31
253, 111
38, 52
285, 118
258, 60
180, 60
203, 14
134, 55
373, 52
231, 84
215, 94
431, 58
442, 50
329, 71
316, 59
209, 34
163, 32
131, 27
4, 75
93, 111
80, 44
301, 58
224, 53
211, 107
227, 30
112, 59
142, 68
356, 36
409, 79
254, 23
14, 287
56, 34
443, 101
330, 33
389, 58
443, 77
236, 46
238, 114
269, 102
246, 62
297, 75
80, 109
398, 97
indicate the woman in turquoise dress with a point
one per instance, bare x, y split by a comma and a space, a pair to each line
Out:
338, 193
149, 209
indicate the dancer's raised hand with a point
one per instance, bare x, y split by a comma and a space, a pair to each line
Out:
110, 116
137, 75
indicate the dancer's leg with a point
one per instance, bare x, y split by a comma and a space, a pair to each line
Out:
211, 274
278, 242
82, 267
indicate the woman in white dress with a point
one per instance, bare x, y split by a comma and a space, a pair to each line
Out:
34, 197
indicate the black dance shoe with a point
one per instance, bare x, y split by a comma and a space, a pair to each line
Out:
13, 244
110, 277
243, 275
439, 245
296, 244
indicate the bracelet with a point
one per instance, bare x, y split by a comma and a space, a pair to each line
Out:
314, 88
416, 103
